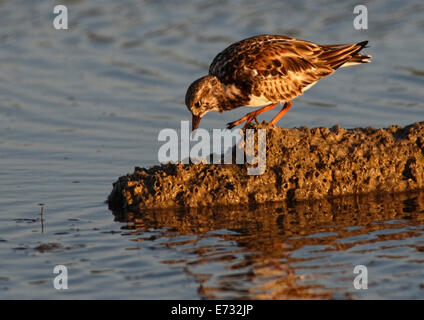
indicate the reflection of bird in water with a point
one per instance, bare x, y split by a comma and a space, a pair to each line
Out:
263, 71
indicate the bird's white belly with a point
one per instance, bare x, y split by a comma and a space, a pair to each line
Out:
256, 101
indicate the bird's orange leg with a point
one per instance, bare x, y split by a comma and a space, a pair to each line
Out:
283, 111
251, 116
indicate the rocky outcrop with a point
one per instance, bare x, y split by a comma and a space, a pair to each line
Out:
301, 164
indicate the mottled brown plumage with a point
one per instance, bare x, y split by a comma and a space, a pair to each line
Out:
266, 70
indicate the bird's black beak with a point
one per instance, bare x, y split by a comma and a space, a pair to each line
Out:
195, 122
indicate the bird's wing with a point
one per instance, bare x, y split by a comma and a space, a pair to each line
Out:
277, 66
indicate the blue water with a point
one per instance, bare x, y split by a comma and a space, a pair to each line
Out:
83, 106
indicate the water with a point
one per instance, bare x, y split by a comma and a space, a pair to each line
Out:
81, 107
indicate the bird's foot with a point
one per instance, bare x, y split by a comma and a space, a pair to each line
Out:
248, 118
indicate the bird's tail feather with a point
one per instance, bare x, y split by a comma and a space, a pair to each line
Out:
340, 55
357, 59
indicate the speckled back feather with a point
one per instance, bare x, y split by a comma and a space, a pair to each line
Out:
280, 68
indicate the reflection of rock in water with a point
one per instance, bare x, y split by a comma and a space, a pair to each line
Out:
260, 264
301, 164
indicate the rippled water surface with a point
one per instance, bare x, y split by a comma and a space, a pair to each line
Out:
81, 107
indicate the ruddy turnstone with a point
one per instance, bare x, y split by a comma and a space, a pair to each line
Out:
263, 71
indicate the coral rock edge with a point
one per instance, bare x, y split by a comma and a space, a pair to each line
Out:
301, 164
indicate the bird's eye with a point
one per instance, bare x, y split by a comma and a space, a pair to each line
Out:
197, 104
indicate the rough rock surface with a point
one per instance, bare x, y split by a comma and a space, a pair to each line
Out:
301, 164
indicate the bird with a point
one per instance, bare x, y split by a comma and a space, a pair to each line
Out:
264, 71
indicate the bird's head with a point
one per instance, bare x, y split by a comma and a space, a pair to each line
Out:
204, 95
